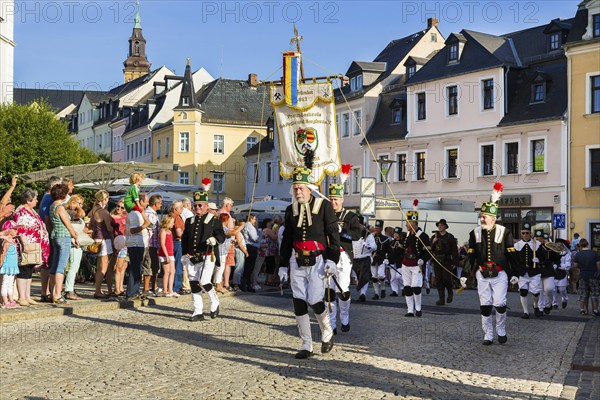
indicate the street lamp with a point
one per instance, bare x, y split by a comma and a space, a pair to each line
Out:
384, 164
222, 180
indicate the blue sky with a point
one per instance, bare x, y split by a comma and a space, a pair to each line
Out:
82, 44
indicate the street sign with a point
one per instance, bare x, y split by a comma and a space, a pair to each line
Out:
559, 221
367, 186
387, 203
367, 206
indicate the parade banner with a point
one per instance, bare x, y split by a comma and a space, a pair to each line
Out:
309, 124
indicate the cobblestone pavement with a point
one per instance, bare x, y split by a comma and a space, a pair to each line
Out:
155, 352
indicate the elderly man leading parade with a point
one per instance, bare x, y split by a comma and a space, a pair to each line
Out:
201, 236
311, 248
491, 251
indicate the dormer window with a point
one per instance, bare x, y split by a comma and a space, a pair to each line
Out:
359, 82
185, 101
410, 71
555, 41
538, 92
596, 25
356, 83
453, 53
396, 115
353, 84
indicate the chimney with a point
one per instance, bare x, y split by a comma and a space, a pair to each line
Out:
432, 22
253, 80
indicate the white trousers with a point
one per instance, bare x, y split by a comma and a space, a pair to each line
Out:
201, 272
396, 279
343, 273
492, 292
547, 294
531, 283
413, 277
308, 283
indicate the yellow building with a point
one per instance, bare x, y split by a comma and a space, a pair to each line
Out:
583, 54
209, 133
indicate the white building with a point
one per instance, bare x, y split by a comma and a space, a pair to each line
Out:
7, 50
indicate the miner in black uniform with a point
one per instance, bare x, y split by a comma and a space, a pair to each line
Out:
310, 247
550, 260
491, 251
416, 243
397, 254
445, 251
529, 269
201, 236
380, 260
349, 227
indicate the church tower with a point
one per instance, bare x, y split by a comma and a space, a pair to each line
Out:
136, 64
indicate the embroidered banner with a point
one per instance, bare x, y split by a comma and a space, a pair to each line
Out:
310, 124
291, 77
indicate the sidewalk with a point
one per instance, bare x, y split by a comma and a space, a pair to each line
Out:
88, 305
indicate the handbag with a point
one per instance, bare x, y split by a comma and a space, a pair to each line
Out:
83, 238
94, 248
31, 254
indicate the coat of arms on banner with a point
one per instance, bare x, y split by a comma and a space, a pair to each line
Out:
307, 123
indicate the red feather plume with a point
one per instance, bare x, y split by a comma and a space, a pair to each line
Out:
498, 187
415, 203
206, 181
346, 169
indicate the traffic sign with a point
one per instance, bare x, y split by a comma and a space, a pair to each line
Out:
367, 206
559, 221
367, 187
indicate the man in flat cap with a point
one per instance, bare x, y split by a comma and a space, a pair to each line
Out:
445, 251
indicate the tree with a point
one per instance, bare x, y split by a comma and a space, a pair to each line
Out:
32, 139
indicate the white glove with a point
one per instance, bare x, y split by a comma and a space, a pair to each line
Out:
555, 266
514, 280
386, 263
330, 267
211, 241
420, 262
535, 260
283, 274
463, 282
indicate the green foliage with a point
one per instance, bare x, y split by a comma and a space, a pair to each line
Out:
32, 139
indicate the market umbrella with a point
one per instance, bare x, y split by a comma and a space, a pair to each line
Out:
103, 174
274, 206
148, 185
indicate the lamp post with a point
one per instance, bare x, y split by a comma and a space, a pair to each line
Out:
384, 164
222, 188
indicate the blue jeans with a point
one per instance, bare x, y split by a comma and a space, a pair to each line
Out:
60, 257
136, 255
178, 279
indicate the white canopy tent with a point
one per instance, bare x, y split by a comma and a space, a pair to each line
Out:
102, 173
149, 185
270, 207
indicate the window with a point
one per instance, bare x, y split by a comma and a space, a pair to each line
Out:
251, 141
353, 84
185, 101
595, 82
183, 115
184, 142
255, 173
555, 41
538, 92
487, 158
421, 107
359, 82
396, 115
488, 94
453, 52
167, 146
594, 167
337, 124
184, 178
345, 125
137, 49
218, 182
401, 161
269, 172
128, 152
538, 153
357, 122
596, 25
410, 71
434, 37
420, 159
219, 144
157, 148
355, 180
512, 158
452, 156
452, 92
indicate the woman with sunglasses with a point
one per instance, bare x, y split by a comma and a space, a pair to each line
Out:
121, 261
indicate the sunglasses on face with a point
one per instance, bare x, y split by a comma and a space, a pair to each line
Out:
197, 206
525, 233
